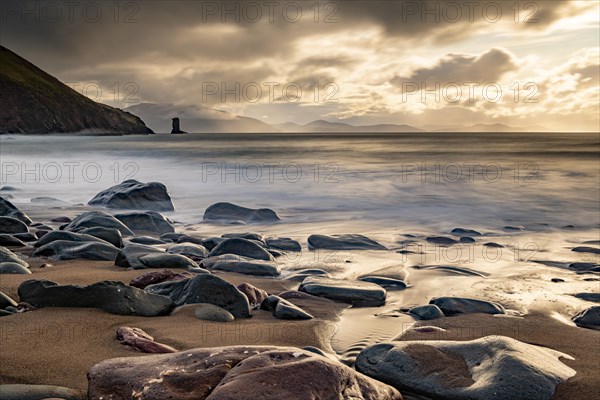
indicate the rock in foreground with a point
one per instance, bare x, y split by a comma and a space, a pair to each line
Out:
343, 242
357, 293
227, 373
492, 367
134, 195
458, 305
34, 392
589, 318
227, 212
8, 209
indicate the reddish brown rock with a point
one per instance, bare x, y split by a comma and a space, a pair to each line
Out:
255, 295
139, 340
252, 372
150, 278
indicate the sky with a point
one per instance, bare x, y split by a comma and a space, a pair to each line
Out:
429, 64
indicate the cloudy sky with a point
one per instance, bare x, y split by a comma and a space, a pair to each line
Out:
432, 64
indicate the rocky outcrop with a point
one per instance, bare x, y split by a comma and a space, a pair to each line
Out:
134, 195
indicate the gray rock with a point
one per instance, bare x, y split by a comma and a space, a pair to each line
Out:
258, 237
388, 283
6, 301
286, 244
584, 266
12, 225
146, 223
129, 256
8, 256
171, 236
146, 240
10, 241
492, 367
246, 267
5, 313
343, 242
228, 212
466, 239
165, 260
357, 293
112, 297
441, 240
465, 232
241, 247
270, 302
190, 239
93, 219
459, 305
427, 312
68, 250
589, 318
135, 195
211, 242
194, 251
154, 277
494, 245
205, 288
67, 237
593, 297
26, 237
8, 209
302, 274
110, 235
393, 272
289, 311
13, 268
255, 295
586, 249
210, 312
38, 392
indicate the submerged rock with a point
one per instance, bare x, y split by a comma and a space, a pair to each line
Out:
146, 223
228, 212
357, 293
8, 209
93, 219
135, 195
242, 247
68, 250
460, 305
228, 373
12, 225
589, 318
205, 288
343, 242
112, 297
492, 367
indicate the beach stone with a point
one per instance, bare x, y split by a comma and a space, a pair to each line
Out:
41, 233
302, 274
466, 239
8, 209
151, 278
288, 311
228, 212
357, 293
388, 283
465, 232
10, 240
13, 268
146, 223
129, 256
112, 297
6, 313
241, 247
586, 249
8, 256
427, 312
26, 237
146, 240
190, 239
211, 242
210, 312
171, 236
460, 305
343, 242
258, 237
194, 251
12, 225
394, 272
589, 318
285, 244
492, 367
139, 340
67, 237
593, 297
518, 228
39, 392
132, 194
110, 235
584, 266
205, 288
69, 250
255, 295
249, 267
441, 240
270, 303
166, 260
93, 219
236, 372
62, 219
494, 245
6, 301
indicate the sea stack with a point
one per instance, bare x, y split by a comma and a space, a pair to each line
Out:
176, 130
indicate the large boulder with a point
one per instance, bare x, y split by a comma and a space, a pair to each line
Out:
112, 297
69, 250
8, 209
492, 367
92, 219
67, 237
588, 318
242, 247
110, 235
130, 256
357, 293
228, 373
459, 305
8, 256
12, 225
205, 288
343, 242
146, 223
227, 212
134, 195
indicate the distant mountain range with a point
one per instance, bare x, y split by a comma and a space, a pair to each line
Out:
493, 128
32, 101
326, 126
